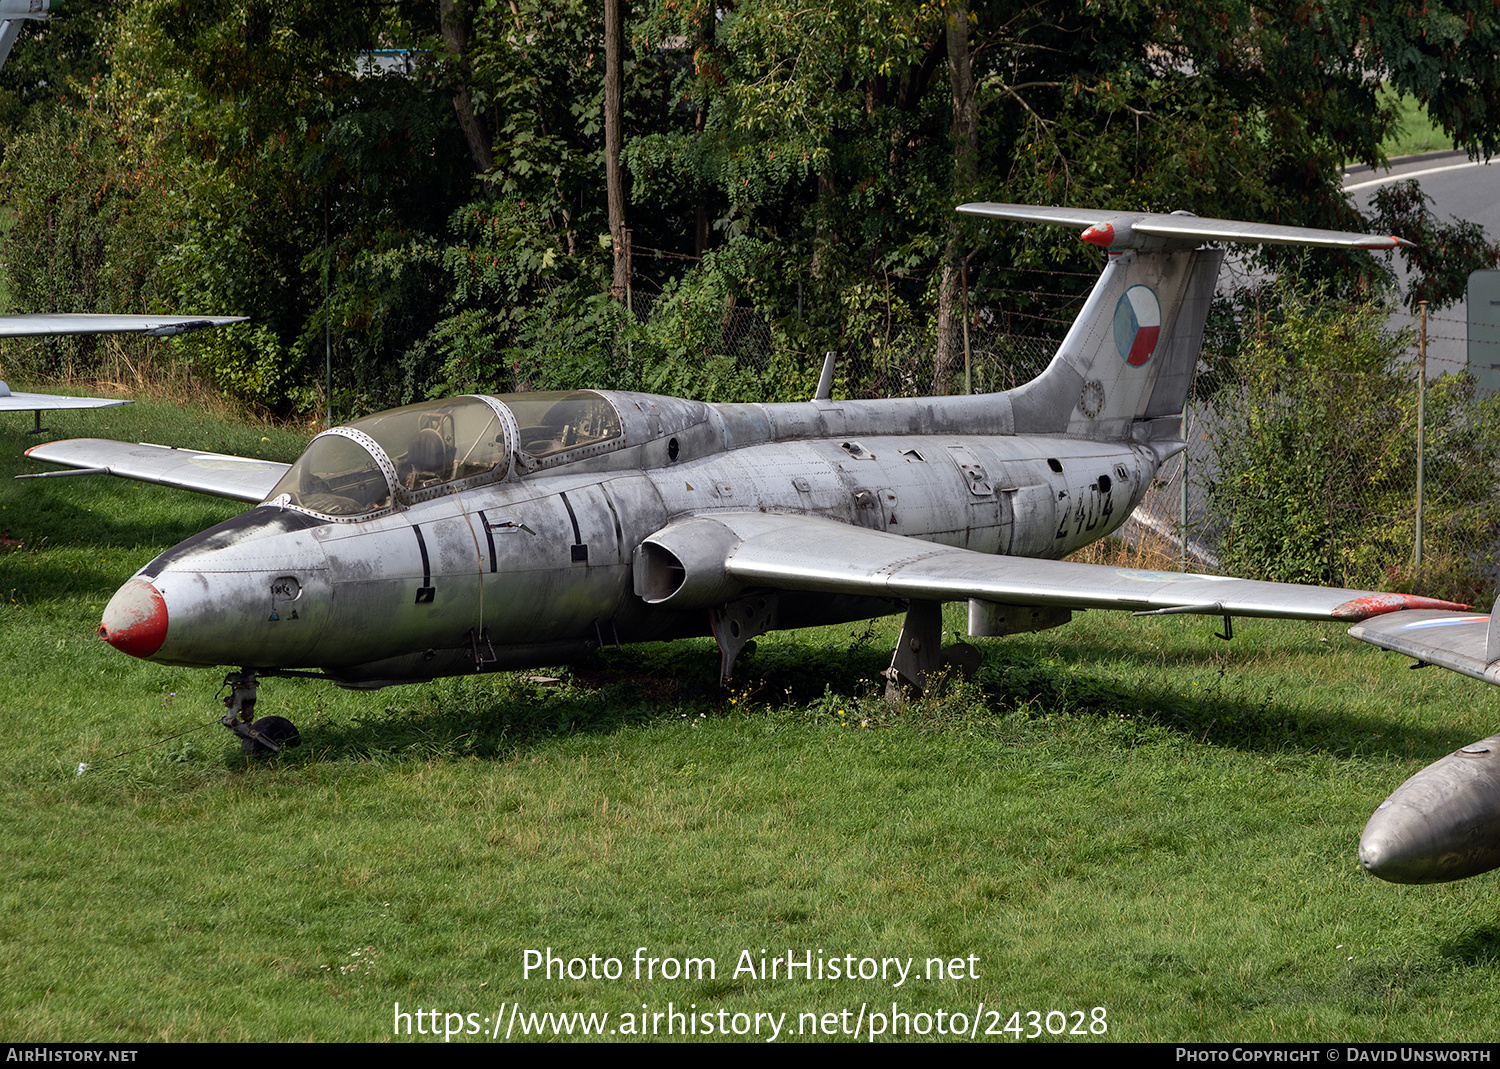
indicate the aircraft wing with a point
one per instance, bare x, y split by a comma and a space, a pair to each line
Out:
45, 325
240, 478
11, 401
1457, 640
806, 553
48, 325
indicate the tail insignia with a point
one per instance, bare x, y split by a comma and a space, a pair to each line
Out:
1137, 325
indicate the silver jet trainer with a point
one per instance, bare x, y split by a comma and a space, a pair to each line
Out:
484, 533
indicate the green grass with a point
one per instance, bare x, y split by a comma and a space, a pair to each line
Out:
1121, 813
1416, 133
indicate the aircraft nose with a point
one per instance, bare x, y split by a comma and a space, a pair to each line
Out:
1442, 824
1385, 850
135, 620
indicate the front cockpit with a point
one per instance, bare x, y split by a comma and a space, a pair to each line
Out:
411, 454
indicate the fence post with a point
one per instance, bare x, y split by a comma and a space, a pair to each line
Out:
327, 326
1421, 432
1182, 502
968, 361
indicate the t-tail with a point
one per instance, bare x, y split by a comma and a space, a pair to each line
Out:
1128, 360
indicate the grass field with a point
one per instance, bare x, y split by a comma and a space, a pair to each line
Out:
1417, 132
1126, 814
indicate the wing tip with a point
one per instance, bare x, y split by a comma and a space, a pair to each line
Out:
1357, 609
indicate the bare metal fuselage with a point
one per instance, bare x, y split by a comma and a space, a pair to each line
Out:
543, 567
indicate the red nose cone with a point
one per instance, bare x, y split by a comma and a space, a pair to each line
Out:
135, 620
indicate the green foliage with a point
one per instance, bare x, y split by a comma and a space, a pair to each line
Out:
1315, 434
521, 314
527, 316
247, 362
92, 221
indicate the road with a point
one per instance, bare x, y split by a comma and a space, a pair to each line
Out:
1459, 188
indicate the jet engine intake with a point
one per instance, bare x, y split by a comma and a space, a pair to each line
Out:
682, 565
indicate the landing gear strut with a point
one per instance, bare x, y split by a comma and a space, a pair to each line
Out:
269, 734
921, 661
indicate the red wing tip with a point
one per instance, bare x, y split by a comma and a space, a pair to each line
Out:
60, 441
1379, 604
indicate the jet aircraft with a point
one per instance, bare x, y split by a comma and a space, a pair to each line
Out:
500, 532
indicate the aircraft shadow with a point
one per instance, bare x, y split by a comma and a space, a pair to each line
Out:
641, 685
1240, 708
1481, 946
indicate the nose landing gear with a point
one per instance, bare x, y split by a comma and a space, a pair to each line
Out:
268, 734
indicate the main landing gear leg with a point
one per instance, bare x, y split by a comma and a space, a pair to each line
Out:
269, 734
921, 661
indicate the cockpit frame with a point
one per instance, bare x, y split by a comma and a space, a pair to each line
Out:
571, 426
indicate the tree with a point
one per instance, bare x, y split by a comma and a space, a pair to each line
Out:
1445, 254
456, 22
964, 134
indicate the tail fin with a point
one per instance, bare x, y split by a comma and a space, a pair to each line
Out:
1129, 357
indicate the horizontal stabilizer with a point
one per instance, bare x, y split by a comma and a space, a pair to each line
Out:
240, 478
1152, 231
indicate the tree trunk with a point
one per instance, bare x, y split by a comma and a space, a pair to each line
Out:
702, 56
965, 133
614, 91
456, 18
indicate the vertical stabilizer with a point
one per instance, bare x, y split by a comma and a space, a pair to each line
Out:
1128, 360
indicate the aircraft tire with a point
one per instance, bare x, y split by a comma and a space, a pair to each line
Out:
276, 728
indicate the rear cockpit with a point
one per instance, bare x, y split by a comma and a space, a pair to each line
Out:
411, 454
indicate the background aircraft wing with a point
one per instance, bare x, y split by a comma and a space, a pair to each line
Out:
1457, 640
43, 325
805, 553
46, 325
11, 401
240, 478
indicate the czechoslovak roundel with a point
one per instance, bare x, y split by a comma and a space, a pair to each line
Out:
1137, 324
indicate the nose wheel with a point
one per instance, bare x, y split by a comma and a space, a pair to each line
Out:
268, 734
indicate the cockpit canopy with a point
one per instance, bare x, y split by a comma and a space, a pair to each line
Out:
419, 451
